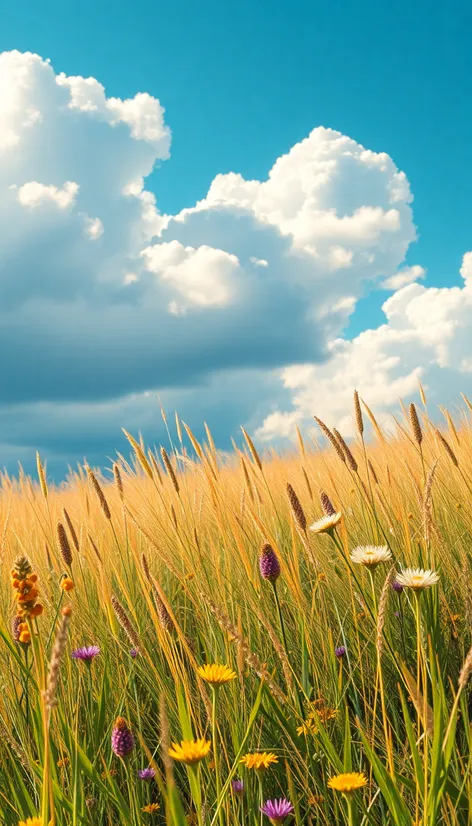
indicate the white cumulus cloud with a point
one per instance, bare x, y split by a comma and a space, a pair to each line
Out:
103, 300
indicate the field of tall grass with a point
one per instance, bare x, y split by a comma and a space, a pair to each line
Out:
332, 587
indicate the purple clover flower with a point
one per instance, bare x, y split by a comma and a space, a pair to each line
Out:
122, 740
147, 774
277, 810
134, 653
237, 787
397, 586
269, 565
87, 653
340, 652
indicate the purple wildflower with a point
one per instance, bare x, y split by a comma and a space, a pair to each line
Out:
87, 653
269, 565
397, 586
134, 653
396, 614
122, 740
146, 774
277, 810
340, 652
237, 787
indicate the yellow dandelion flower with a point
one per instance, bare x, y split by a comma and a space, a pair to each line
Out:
31, 821
216, 674
326, 523
326, 714
67, 584
347, 783
259, 760
190, 751
308, 727
151, 808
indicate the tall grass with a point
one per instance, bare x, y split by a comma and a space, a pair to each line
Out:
336, 669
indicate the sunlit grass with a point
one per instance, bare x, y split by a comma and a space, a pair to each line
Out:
228, 640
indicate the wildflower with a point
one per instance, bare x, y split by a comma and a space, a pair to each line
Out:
24, 582
151, 808
31, 821
371, 555
190, 751
259, 760
269, 565
322, 577
326, 524
417, 578
134, 653
340, 652
216, 674
238, 787
397, 586
326, 714
61, 764
277, 810
122, 740
87, 653
308, 727
147, 774
67, 584
347, 783
315, 800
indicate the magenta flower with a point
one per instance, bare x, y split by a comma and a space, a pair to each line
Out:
87, 653
122, 740
134, 653
146, 774
340, 652
269, 565
277, 810
237, 787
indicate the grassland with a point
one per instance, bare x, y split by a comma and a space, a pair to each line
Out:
183, 557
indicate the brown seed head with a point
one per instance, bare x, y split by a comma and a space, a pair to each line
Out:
415, 425
297, 510
64, 546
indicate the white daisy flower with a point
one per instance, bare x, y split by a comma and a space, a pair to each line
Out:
326, 523
371, 555
417, 579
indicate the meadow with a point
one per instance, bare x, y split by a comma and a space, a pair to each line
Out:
219, 640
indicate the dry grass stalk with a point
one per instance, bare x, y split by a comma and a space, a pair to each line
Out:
41, 476
447, 447
49, 695
351, 462
415, 425
155, 467
64, 545
378, 430
140, 455
331, 439
372, 472
250, 658
118, 480
99, 492
418, 702
358, 414
71, 529
307, 483
466, 671
170, 470
382, 610
252, 449
297, 510
326, 504
126, 623
427, 502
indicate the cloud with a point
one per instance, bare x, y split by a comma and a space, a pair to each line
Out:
427, 337
103, 299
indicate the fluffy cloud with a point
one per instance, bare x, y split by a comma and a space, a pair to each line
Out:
427, 337
103, 300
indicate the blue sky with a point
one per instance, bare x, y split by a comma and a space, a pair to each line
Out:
243, 83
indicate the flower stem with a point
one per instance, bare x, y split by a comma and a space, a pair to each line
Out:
215, 754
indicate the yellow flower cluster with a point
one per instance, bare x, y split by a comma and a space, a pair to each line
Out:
259, 760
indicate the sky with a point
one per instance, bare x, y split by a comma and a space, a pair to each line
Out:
146, 251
